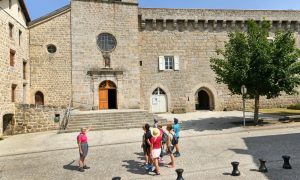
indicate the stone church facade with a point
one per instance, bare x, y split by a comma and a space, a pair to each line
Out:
111, 54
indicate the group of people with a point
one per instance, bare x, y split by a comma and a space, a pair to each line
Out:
157, 142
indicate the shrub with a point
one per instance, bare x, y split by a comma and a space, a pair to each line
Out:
295, 106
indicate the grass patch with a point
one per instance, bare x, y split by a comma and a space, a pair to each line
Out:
280, 111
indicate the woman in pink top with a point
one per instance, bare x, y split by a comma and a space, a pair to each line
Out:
156, 141
83, 148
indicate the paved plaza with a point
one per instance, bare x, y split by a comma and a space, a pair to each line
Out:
207, 150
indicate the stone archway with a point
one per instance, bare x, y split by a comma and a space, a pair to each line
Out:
8, 124
204, 99
107, 95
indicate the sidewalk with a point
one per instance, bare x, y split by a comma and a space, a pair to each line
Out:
193, 124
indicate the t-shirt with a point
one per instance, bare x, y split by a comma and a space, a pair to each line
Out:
170, 136
176, 128
148, 135
82, 138
156, 141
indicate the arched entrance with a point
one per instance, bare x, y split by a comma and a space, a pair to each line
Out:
158, 101
204, 100
107, 95
39, 98
8, 124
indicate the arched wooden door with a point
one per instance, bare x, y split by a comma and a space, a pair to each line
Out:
107, 95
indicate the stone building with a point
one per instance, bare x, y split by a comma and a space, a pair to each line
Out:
112, 54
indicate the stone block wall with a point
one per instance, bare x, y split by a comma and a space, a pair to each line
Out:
12, 75
193, 35
31, 118
89, 19
51, 72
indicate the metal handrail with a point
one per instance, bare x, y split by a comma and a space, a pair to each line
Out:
66, 117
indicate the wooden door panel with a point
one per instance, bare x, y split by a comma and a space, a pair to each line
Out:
103, 99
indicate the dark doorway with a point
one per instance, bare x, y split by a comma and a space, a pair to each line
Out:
112, 99
203, 100
8, 124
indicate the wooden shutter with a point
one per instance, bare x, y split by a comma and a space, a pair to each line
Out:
161, 63
176, 63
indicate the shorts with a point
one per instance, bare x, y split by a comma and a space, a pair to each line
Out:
145, 150
170, 150
85, 149
156, 153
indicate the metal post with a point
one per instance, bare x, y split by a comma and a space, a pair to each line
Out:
244, 110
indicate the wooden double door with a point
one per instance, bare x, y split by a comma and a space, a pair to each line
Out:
107, 95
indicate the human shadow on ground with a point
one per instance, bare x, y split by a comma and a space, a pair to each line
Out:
134, 166
271, 149
216, 124
71, 167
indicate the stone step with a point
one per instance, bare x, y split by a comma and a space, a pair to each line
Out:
111, 120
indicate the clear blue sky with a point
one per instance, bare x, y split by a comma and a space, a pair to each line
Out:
38, 8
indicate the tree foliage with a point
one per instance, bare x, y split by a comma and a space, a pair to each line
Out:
266, 67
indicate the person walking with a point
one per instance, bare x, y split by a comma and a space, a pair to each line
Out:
176, 128
83, 146
170, 146
156, 141
144, 147
147, 144
164, 137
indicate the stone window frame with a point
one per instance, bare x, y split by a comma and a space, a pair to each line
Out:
99, 45
11, 30
13, 92
12, 57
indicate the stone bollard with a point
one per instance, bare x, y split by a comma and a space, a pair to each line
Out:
235, 171
179, 174
286, 164
116, 178
262, 167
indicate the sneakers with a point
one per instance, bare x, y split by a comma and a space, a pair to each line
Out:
86, 167
176, 154
81, 169
160, 161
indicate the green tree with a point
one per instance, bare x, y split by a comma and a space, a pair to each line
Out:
266, 67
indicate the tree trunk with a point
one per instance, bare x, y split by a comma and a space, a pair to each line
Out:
256, 109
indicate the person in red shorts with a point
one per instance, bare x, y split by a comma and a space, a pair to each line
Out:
156, 141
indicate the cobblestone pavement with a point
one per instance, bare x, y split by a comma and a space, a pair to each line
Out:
203, 157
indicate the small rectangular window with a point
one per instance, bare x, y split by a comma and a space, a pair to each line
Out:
24, 70
11, 28
169, 62
20, 35
9, 4
12, 57
141, 63
13, 92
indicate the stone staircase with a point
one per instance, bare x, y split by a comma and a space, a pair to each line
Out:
110, 119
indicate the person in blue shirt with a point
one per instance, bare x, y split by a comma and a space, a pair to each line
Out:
176, 128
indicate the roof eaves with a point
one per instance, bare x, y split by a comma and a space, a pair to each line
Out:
24, 10
51, 14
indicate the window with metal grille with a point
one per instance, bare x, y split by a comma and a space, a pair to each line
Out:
106, 42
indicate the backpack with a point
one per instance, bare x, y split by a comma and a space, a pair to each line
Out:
174, 140
164, 138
